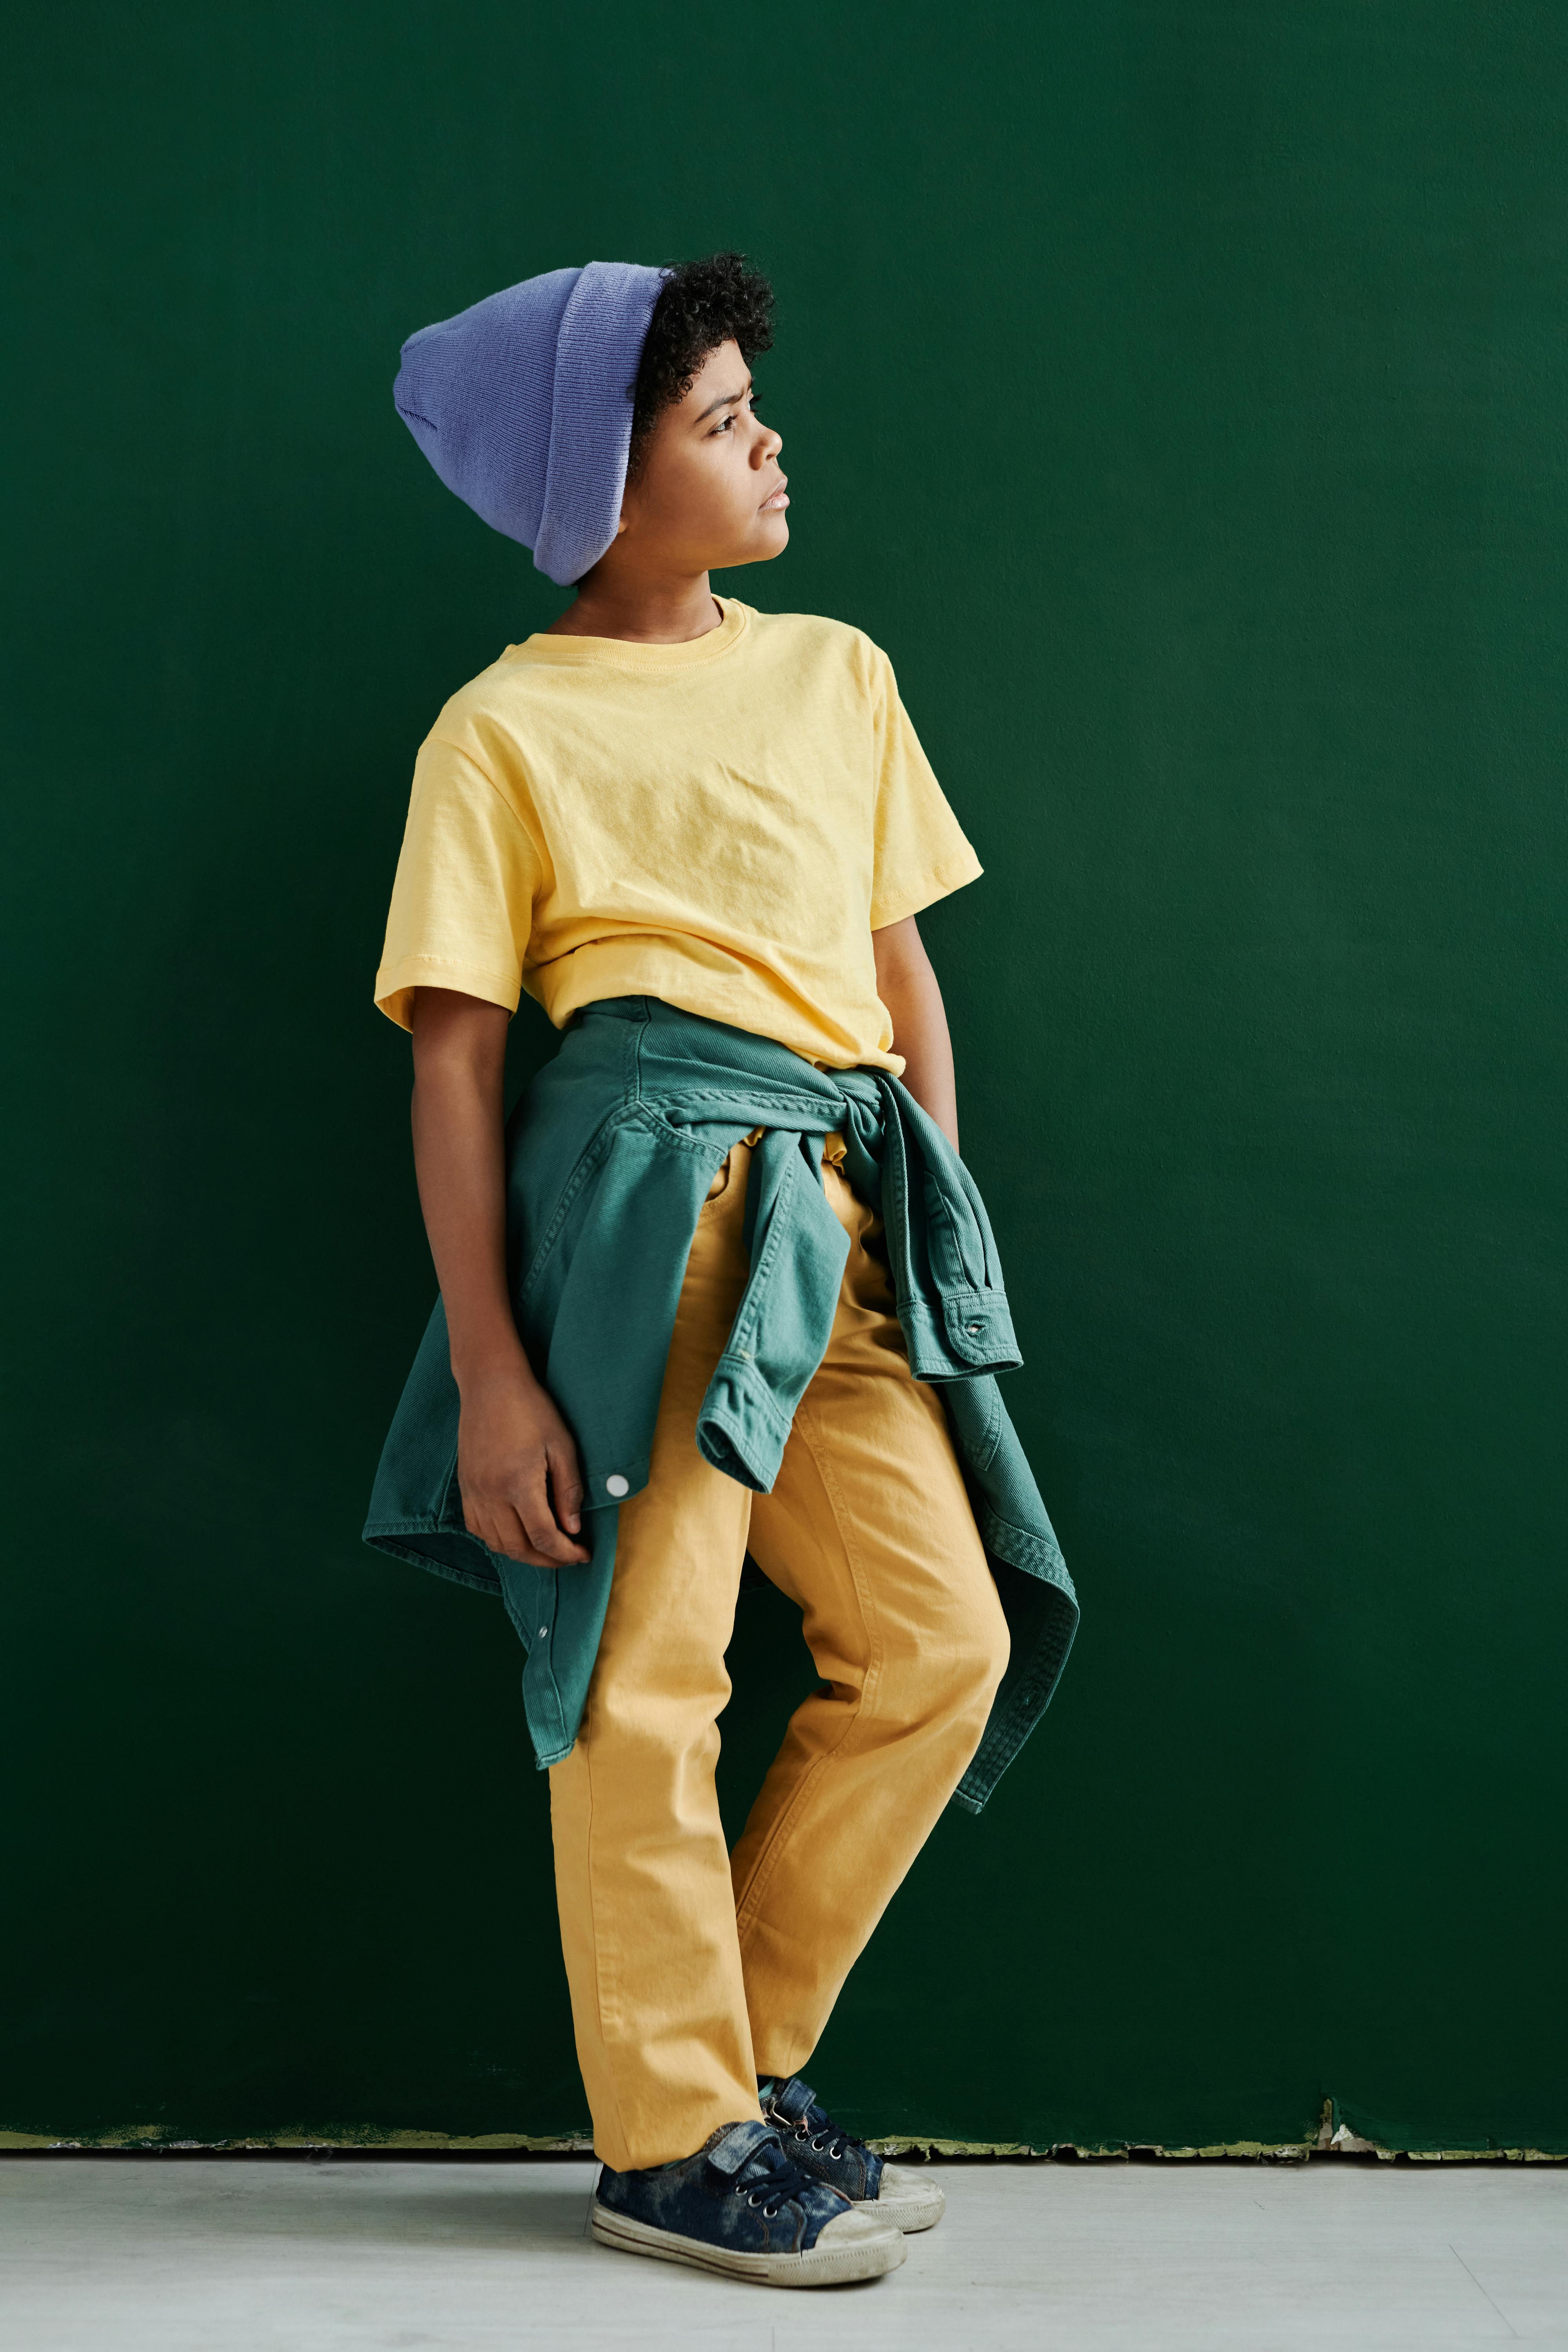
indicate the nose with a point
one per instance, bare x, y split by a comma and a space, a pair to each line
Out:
767, 448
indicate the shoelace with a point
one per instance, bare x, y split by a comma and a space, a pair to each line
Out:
818, 2126
768, 2180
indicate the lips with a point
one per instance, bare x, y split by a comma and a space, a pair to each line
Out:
776, 500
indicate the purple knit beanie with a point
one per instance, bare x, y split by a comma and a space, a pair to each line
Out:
523, 405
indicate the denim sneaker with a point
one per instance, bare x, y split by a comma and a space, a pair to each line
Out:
822, 2148
740, 2207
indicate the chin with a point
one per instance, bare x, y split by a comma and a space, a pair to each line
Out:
760, 548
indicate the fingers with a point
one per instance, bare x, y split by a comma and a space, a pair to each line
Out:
499, 1529
553, 1546
521, 1484
523, 1527
565, 1483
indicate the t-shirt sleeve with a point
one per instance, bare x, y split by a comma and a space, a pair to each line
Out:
462, 903
921, 852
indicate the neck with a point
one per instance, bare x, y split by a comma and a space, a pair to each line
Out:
657, 611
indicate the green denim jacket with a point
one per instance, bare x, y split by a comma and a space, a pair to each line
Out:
610, 1154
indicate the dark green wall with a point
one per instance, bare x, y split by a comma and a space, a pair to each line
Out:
1178, 392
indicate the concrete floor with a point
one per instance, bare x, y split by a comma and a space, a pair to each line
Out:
192, 2256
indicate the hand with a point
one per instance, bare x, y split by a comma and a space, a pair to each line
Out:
517, 1467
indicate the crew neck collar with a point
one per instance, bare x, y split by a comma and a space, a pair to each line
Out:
626, 653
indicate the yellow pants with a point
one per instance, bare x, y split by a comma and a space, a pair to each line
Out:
691, 1973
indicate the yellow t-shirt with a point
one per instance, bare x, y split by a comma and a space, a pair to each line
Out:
722, 824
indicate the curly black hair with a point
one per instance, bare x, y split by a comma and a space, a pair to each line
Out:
701, 304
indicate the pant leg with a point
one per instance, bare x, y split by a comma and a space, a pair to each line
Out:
869, 1529
642, 1874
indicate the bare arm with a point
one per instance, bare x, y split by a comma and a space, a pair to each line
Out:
517, 1463
907, 987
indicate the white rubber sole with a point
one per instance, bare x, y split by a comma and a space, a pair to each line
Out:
909, 2199
844, 2252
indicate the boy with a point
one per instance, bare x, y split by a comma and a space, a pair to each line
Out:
726, 1289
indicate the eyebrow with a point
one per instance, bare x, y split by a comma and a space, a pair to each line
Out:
726, 401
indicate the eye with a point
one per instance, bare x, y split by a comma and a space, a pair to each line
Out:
727, 424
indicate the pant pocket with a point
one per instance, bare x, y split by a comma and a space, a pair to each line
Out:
721, 1183
727, 1167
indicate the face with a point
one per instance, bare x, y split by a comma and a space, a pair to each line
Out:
709, 492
